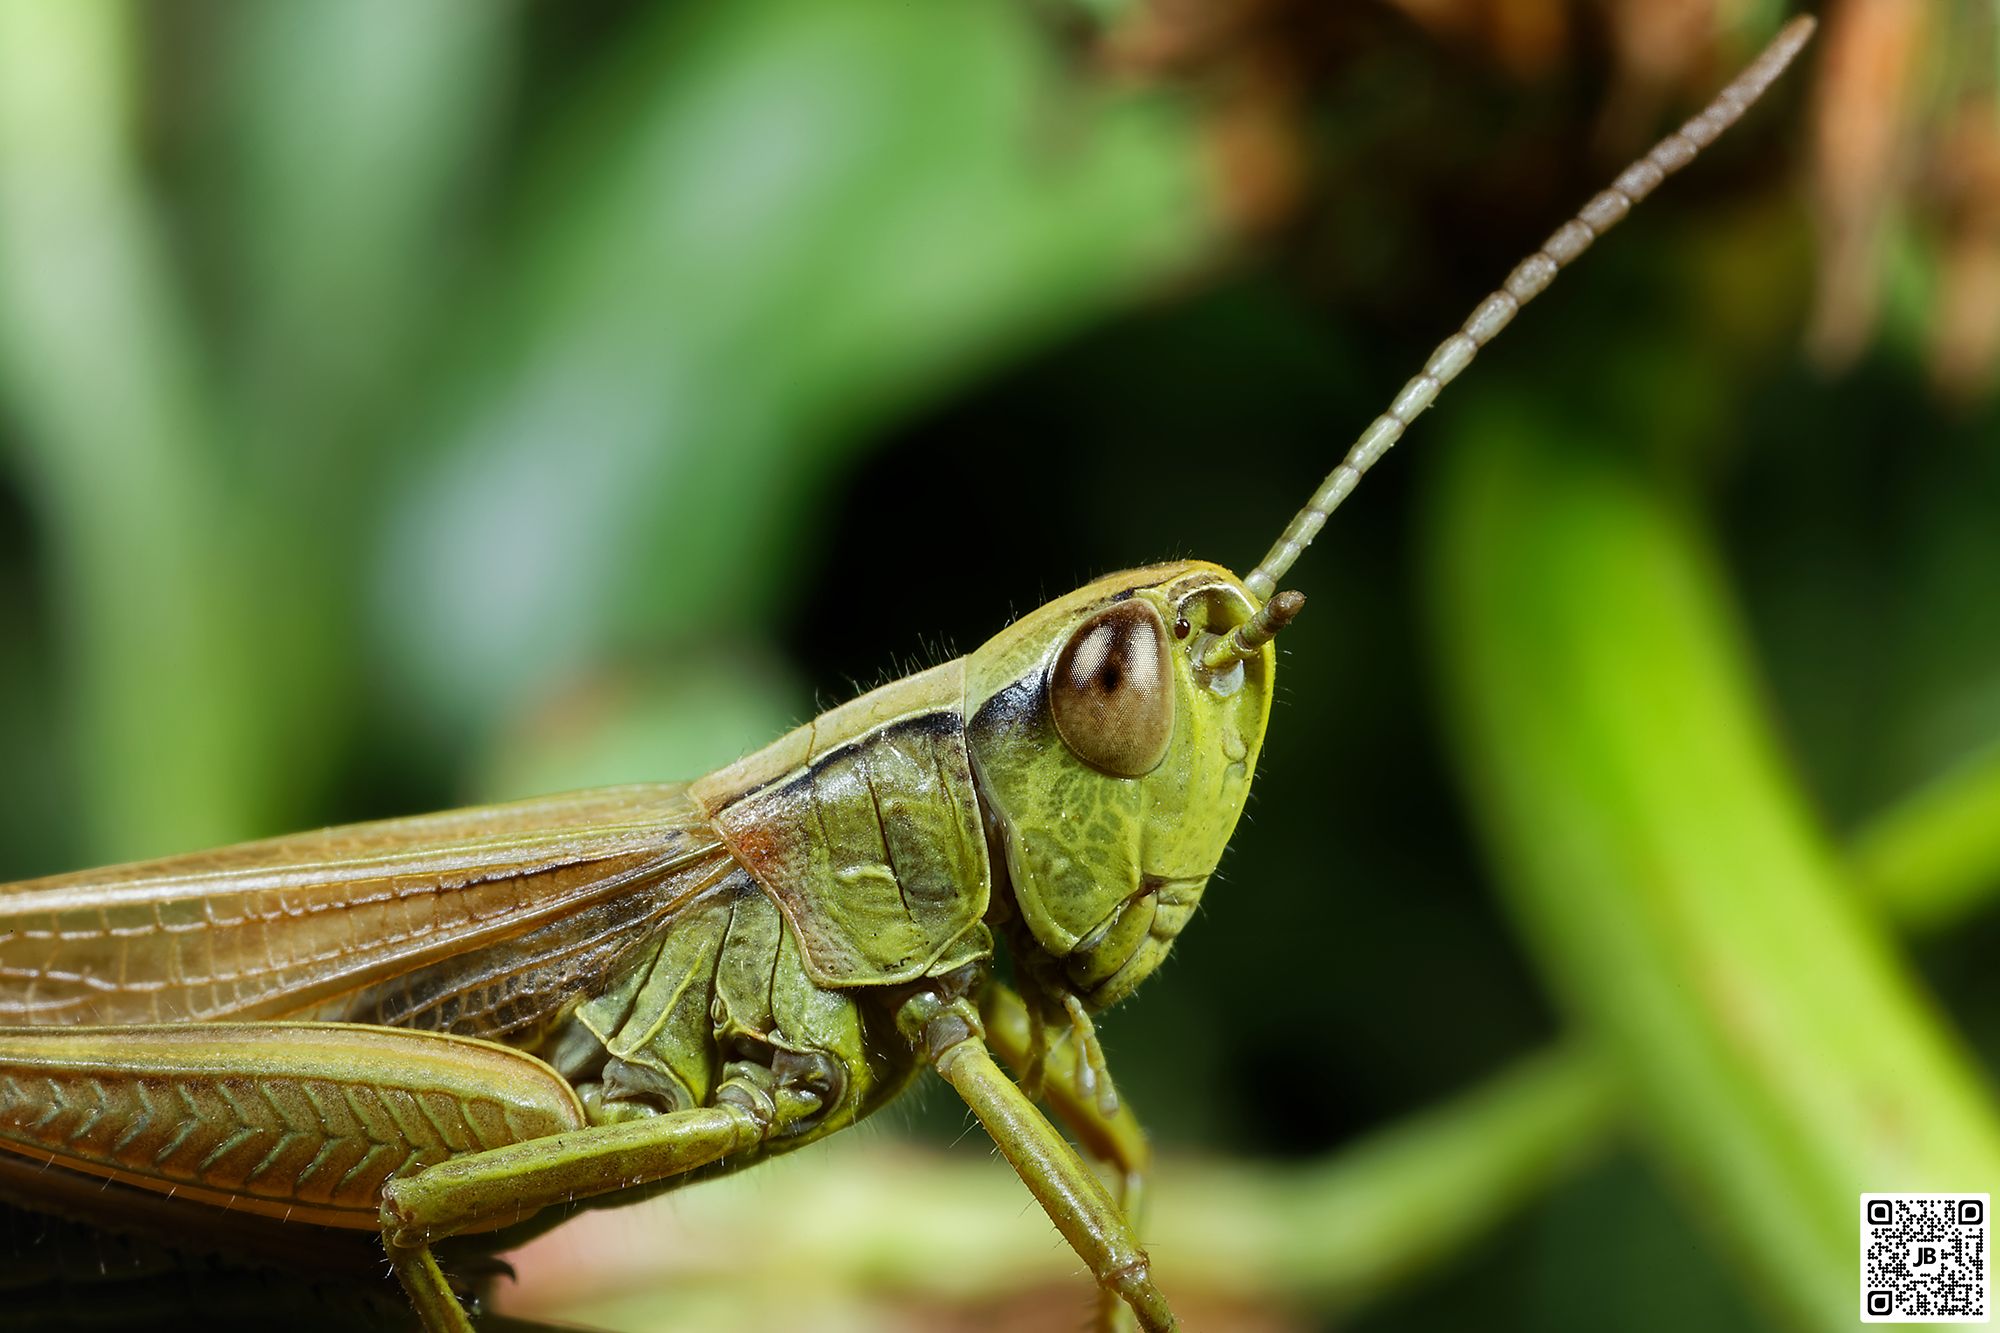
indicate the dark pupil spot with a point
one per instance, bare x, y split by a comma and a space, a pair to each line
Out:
1107, 680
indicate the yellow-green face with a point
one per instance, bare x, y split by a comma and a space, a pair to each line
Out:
1115, 763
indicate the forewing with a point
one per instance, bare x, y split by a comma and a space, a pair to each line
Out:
319, 923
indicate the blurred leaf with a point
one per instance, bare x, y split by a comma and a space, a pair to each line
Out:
350, 134
1936, 855
355, 132
100, 376
1663, 867
907, 191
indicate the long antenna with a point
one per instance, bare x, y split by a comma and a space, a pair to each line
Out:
1523, 285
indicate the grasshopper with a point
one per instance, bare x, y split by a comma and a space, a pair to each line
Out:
443, 1026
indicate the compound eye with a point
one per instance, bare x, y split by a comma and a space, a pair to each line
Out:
1112, 691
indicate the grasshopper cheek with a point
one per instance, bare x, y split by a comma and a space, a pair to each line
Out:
1111, 691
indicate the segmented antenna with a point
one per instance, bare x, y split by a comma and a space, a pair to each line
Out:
1242, 643
1526, 282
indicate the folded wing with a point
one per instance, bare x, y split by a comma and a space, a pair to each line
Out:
485, 921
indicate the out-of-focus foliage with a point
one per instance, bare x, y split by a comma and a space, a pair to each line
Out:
402, 405
402, 376
1688, 912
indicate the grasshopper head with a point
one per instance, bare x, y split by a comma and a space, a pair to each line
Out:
1114, 732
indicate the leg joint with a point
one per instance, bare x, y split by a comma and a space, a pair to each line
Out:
937, 1026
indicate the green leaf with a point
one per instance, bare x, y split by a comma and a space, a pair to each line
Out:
1665, 869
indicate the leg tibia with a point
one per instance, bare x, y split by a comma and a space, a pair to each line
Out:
1075, 1200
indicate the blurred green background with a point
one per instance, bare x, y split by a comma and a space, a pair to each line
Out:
407, 405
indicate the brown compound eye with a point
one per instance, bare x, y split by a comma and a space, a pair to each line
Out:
1112, 691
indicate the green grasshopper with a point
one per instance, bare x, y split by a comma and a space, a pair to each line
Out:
442, 1026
